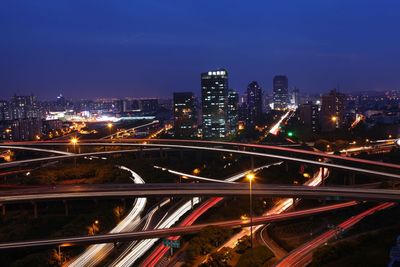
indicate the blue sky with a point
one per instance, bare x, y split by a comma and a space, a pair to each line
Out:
90, 49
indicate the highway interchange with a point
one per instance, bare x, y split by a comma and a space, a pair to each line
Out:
193, 190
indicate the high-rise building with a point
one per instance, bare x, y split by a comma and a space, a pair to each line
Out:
280, 92
61, 103
254, 103
332, 110
149, 105
24, 107
309, 116
184, 115
5, 111
26, 129
233, 111
214, 93
295, 97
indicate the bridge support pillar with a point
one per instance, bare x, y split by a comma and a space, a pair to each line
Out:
139, 153
123, 203
66, 207
198, 155
35, 211
352, 179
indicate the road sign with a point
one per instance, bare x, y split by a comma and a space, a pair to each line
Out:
172, 243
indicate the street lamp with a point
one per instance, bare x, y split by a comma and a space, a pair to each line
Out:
95, 227
250, 176
74, 142
110, 125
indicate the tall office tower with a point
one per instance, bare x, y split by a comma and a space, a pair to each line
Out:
184, 115
309, 115
214, 93
267, 99
295, 97
61, 103
332, 110
280, 92
254, 104
233, 111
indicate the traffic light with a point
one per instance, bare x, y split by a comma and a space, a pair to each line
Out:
290, 134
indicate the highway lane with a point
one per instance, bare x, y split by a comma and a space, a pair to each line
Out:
172, 218
302, 256
96, 253
283, 205
51, 151
161, 250
133, 129
128, 236
234, 151
203, 143
230, 180
62, 192
275, 129
148, 220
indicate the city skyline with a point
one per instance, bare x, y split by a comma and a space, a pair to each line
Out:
117, 50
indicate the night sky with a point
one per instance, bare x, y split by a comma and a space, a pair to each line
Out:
147, 48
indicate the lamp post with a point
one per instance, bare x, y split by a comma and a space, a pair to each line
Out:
250, 177
74, 142
110, 125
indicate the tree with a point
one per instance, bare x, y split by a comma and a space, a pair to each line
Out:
118, 213
220, 258
255, 257
243, 244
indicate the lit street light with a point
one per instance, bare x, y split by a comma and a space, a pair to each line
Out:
250, 177
110, 125
74, 142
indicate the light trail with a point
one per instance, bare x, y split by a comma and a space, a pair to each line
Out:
275, 129
282, 206
148, 217
131, 129
302, 256
96, 253
249, 153
160, 251
37, 149
229, 180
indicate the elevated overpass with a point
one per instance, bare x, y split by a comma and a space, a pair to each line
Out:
129, 236
65, 192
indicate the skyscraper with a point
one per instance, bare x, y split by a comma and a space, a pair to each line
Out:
214, 93
295, 97
254, 103
184, 114
308, 116
233, 111
332, 110
280, 92
24, 107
